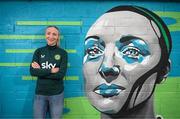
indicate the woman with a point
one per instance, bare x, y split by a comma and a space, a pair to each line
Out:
49, 64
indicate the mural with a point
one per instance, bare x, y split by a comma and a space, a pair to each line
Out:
127, 53
22, 27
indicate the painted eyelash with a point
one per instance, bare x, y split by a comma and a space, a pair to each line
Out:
134, 55
95, 47
130, 48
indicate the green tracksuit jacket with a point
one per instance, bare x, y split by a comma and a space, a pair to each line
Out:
49, 57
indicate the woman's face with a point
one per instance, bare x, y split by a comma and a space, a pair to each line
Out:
120, 48
52, 36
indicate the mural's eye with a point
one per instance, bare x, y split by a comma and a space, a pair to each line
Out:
131, 52
94, 49
94, 52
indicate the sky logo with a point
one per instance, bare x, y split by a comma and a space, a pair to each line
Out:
48, 65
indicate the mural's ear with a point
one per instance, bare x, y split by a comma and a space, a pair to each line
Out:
164, 72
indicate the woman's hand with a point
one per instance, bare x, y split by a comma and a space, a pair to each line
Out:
54, 70
35, 65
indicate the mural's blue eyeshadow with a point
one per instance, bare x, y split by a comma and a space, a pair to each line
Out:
94, 49
142, 46
90, 42
134, 50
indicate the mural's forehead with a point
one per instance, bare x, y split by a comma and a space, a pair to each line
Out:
114, 25
121, 18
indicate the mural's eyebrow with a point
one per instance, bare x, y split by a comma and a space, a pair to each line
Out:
128, 38
95, 37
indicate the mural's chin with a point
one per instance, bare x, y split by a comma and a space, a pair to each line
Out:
110, 105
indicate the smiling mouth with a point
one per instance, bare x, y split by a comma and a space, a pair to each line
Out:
51, 40
108, 91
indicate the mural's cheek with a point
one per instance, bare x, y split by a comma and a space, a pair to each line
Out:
133, 72
91, 76
144, 91
91, 68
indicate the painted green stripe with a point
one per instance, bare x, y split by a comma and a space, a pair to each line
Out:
68, 64
29, 78
168, 14
62, 23
14, 64
174, 15
23, 37
168, 95
20, 37
35, 78
71, 50
7, 64
72, 77
19, 50
32, 50
80, 108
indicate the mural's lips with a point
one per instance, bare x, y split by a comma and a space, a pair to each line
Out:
108, 90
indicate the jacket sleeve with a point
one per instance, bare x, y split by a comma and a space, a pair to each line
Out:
38, 72
62, 69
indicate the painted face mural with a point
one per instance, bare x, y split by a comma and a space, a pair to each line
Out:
126, 54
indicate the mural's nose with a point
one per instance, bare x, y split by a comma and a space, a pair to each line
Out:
109, 73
